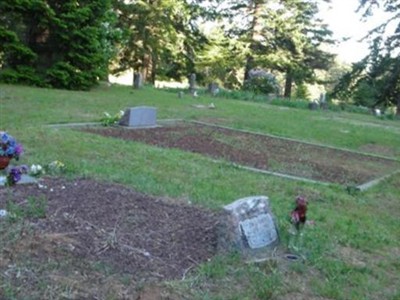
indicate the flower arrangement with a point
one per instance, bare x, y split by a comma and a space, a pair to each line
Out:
36, 170
109, 120
56, 167
9, 146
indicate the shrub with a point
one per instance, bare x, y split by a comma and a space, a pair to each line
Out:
261, 82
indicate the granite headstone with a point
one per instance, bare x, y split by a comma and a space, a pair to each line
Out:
140, 116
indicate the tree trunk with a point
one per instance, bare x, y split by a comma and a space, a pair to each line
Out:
398, 106
288, 85
153, 70
255, 10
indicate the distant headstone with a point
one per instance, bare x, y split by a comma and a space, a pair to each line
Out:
322, 98
181, 94
192, 83
137, 80
313, 105
377, 112
322, 101
248, 226
140, 116
213, 88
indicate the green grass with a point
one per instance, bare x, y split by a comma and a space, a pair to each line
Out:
352, 252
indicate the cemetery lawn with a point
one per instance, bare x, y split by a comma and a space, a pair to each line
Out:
131, 220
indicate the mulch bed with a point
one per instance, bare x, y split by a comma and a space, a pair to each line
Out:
150, 238
261, 152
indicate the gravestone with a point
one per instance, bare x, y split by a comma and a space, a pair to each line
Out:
25, 179
313, 105
192, 83
248, 226
213, 88
377, 112
140, 116
322, 101
137, 80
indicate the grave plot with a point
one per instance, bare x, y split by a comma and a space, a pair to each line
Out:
151, 239
264, 153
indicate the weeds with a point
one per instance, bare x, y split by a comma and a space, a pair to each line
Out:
34, 208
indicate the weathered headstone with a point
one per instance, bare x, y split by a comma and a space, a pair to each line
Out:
192, 83
137, 80
322, 101
313, 105
213, 88
181, 94
248, 226
140, 116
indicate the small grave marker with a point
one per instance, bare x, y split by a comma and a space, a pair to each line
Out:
247, 225
192, 83
25, 179
137, 80
140, 116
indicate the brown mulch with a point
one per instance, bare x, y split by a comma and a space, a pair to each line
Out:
261, 152
151, 239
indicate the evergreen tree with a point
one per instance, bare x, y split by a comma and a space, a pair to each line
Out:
375, 80
161, 37
282, 36
62, 44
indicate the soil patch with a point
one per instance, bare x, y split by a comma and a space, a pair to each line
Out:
146, 237
261, 152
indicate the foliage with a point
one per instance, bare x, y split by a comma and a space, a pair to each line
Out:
261, 82
283, 37
375, 80
221, 60
62, 44
301, 92
372, 82
9, 146
160, 38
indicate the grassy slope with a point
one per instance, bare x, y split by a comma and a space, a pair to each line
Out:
352, 251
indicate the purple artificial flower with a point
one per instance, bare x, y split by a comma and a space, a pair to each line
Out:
18, 150
15, 174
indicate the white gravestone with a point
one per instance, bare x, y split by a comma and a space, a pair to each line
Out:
140, 116
248, 226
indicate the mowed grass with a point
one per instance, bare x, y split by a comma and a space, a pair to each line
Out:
351, 253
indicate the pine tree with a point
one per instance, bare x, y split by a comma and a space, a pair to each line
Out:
55, 43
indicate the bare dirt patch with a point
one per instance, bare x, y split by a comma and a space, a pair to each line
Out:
262, 152
145, 237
